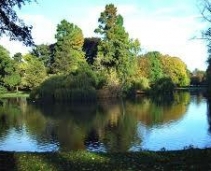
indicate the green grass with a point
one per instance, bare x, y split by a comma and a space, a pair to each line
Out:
192, 159
14, 94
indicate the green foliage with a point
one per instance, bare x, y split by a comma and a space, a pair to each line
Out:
74, 87
6, 65
113, 58
2, 89
137, 85
154, 66
18, 94
108, 27
156, 71
116, 52
44, 53
8, 74
68, 49
141, 83
46, 90
17, 57
33, 72
100, 80
175, 68
163, 86
12, 80
144, 67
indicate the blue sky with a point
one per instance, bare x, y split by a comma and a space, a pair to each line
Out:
167, 26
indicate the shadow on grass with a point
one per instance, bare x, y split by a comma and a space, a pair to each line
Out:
191, 159
179, 160
99, 161
8, 161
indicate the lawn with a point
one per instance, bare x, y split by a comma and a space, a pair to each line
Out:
191, 159
14, 94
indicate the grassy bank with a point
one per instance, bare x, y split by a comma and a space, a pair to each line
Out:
14, 94
192, 159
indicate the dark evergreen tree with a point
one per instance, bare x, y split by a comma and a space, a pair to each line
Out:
90, 48
68, 49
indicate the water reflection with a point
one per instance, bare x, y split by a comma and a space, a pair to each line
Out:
209, 113
113, 126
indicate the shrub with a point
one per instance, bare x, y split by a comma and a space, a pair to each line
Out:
75, 87
141, 83
163, 86
138, 84
3, 90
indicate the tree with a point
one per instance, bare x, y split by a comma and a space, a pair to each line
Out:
68, 48
5, 63
90, 48
198, 77
45, 54
8, 77
13, 80
176, 69
156, 67
33, 71
111, 29
17, 57
143, 67
116, 51
11, 25
150, 66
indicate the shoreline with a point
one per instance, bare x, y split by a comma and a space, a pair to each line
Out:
189, 159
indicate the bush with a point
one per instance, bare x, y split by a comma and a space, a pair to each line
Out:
164, 85
138, 84
75, 87
141, 83
3, 90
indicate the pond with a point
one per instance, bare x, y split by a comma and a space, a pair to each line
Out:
180, 122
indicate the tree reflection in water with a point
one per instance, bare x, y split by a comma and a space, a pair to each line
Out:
105, 126
209, 112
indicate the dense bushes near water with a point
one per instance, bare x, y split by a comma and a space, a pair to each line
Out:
77, 87
87, 87
164, 86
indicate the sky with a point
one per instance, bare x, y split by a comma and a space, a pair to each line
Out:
171, 27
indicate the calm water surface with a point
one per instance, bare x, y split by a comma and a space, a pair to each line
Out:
109, 126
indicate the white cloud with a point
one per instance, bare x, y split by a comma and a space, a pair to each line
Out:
43, 32
88, 20
169, 35
43, 28
13, 46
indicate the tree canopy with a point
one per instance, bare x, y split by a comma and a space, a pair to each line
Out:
68, 48
33, 70
90, 48
154, 66
116, 51
9, 77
